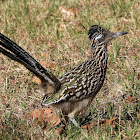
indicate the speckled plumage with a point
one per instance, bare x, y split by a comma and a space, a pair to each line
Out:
76, 89
86, 79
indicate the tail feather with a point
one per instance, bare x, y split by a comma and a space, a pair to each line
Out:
17, 50
13, 57
16, 53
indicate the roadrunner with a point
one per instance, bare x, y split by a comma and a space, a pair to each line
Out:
75, 90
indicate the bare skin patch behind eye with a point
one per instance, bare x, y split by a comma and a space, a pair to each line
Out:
99, 36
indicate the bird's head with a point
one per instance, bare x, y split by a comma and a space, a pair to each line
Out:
99, 35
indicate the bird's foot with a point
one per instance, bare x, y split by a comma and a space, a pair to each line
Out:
74, 122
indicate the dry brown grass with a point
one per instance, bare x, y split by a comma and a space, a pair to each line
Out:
40, 28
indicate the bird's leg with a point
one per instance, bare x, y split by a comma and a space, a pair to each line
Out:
74, 122
71, 117
77, 107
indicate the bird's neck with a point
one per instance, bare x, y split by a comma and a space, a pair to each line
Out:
99, 55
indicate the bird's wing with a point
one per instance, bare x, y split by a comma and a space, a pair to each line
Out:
77, 84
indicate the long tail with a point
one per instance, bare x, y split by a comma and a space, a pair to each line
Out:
16, 53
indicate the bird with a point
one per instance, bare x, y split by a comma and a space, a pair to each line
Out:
75, 90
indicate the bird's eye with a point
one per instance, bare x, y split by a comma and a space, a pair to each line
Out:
98, 37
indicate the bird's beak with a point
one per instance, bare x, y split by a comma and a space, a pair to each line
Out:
117, 34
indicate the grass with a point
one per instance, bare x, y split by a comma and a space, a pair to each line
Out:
40, 28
